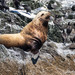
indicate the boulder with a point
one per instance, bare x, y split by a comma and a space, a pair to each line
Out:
73, 8
52, 45
72, 46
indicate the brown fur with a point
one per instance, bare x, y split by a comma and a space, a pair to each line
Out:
31, 37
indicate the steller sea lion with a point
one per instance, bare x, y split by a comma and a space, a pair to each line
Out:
33, 35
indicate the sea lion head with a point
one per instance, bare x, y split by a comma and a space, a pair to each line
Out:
44, 17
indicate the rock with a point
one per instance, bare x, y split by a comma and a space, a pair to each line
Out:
15, 61
53, 45
10, 18
73, 8
9, 67
71, 15
50, 63
72, 46
44, 67
72, 39
50, 48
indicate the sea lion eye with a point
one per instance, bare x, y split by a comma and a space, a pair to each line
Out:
42, 14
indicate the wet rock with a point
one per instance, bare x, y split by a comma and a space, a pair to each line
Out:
71, 46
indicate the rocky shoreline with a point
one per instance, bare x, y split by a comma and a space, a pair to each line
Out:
55, 58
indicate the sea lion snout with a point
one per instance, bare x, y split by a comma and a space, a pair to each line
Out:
48, 17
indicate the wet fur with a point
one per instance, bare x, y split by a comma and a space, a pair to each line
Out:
32, 37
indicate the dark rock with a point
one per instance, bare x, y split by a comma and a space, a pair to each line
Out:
73, 8
72, 46
73, 39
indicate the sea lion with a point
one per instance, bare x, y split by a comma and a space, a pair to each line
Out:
33, 35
